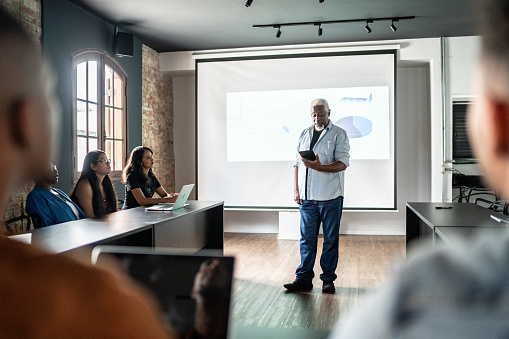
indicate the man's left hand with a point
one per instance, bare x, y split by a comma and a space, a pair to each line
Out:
313, 164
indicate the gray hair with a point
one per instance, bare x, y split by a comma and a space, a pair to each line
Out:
320, 102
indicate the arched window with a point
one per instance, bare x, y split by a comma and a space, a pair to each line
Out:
99, 109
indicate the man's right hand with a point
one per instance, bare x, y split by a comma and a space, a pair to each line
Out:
296, 198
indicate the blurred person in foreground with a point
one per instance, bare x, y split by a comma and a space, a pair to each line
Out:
46, 295
461, 291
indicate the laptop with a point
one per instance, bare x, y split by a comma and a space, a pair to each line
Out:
176, 277
179, 203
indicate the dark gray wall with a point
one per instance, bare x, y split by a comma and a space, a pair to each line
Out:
66, 29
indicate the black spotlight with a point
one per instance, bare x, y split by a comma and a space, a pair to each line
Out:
248, 3
321, 1
278, 34
394, 29
368, 29
320, 31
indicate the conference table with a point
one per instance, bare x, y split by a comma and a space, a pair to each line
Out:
431, 223
196, 226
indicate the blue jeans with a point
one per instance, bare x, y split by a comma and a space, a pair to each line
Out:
313, 212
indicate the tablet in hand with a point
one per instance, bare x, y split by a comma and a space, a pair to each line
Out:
308, 155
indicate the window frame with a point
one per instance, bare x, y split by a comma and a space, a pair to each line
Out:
103, 59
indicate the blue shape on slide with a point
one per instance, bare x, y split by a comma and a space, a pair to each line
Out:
349, 99
286, 129
355, 126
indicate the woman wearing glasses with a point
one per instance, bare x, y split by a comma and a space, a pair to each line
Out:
93, 192
140, 181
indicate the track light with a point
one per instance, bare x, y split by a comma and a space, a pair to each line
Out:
394, 29
278, 34
321, 1
328, 22
248, 3
368, 29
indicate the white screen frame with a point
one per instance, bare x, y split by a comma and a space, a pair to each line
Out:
287, 178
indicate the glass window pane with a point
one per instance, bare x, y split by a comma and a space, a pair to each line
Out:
118, 156
81, 81
81, 152
92, 81
81, 118
109, 149
119, 91
109, 122
92, 120
108, 85
92, 144
118, 123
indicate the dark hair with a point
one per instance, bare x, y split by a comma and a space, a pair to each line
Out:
88, 173
134, 164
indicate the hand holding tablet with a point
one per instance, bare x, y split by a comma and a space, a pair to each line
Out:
308, 155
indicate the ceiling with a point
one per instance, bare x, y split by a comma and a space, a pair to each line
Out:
189, 25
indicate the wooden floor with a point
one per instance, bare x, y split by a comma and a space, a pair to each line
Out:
264, 264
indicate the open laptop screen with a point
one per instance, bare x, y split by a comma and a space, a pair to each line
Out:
186, 285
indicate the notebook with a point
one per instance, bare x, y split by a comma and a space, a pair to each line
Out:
175, 277
179, 203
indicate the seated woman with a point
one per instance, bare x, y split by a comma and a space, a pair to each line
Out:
141, 183
48, 206
93, 191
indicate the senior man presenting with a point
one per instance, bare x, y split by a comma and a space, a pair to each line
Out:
319, 190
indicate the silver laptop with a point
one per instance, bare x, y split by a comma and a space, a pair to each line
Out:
179, 203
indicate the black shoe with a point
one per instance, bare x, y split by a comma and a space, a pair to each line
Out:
298, 286
328, 287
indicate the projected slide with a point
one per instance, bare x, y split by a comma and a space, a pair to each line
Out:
259, 121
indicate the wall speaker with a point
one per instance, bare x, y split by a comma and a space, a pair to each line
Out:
123, 44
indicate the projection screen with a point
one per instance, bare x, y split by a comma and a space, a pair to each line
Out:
250, 112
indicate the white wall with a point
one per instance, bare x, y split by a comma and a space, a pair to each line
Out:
419, 121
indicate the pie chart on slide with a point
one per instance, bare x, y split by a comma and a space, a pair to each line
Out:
355, 126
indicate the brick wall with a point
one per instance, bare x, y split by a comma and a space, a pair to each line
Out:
157, 121
29, 12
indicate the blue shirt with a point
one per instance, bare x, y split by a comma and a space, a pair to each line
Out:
49, 208
332, 146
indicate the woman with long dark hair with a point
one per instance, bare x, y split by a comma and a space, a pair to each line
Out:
140, 181
94, 192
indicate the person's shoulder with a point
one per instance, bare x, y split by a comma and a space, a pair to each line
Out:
84, 186
36, 192
97, 301
336, 129
453, 271
458, 282
305, 131
132, 176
